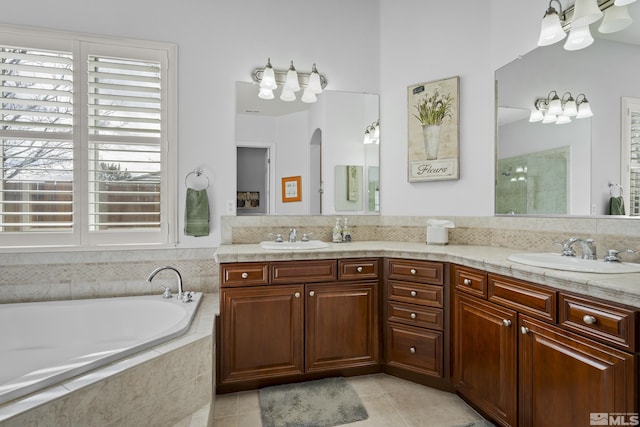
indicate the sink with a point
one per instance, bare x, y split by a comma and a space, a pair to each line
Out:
294, 246
558, 262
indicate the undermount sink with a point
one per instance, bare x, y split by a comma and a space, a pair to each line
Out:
294, 246
558, 262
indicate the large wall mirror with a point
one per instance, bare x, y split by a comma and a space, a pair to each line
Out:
322, 143
565, 169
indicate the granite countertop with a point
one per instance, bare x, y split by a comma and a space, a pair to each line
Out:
620, 288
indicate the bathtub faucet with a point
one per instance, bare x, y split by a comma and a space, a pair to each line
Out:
186, 297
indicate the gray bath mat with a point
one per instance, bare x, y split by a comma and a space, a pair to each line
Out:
322, 403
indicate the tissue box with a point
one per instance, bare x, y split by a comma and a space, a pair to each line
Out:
437, 235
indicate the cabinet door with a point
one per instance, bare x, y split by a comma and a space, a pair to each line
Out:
565, 377
485, 356
341, 326
262, 331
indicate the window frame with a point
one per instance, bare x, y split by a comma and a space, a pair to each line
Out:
81, 46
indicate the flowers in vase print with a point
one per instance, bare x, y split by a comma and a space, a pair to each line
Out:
434, 109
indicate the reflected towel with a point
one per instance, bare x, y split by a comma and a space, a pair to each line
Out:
196, 213
616, 206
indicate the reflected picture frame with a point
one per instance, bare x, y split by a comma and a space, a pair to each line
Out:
291, 189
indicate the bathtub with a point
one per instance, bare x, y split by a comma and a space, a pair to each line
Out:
48, 342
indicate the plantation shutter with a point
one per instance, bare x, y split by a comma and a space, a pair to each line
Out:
125, 117
36, 140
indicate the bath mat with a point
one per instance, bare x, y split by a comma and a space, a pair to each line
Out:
321, 403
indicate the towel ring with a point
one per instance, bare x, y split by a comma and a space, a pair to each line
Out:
612, 186
197, 172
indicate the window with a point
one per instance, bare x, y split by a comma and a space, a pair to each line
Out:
86, 127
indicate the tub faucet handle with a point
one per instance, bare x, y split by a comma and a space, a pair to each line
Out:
187, 296
167, 292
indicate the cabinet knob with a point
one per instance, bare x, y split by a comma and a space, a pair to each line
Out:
359, 269
467, 282
297, 295
506, 322
245, 275
412, 350
524, 330
414, 271
589, 320
311, 293
413, 293
413, 315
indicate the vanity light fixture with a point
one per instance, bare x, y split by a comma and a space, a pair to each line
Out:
291, 81
577, 18
554, 109
372, 133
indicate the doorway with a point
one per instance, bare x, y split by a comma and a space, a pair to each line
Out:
253, 181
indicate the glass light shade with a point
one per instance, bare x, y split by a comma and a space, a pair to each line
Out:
555, 106
584, 110
367, 137
314, 81
536, 116
268, 78
570, 108
579, 38
549, 118
623, 2
265, 94
585, 12
308, 96
376, 132
616, 18
292, 84
287, 95
563, 119
551, 29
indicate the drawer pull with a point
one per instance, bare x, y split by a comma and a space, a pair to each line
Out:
506, 322
359, 269
413, 315
524, 330
297, 295
413, 293
589, 320
467, 282
412, 350
414, 271
245, 275
311, 293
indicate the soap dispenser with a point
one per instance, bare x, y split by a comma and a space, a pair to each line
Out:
346, 232
337, 232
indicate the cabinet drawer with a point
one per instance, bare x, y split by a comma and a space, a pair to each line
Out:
470, 280
524, 297
604, 322
423, 317
244, 274
283, 272
357, 269
415, 271
415, 293
416, 349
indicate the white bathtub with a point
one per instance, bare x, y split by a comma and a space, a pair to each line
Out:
44, 343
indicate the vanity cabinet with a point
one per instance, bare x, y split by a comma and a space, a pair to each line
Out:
415, 333
527, 355
291, 320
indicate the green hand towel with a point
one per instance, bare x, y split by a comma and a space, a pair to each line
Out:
616, 206
196, 213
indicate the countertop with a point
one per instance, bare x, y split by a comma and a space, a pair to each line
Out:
620, 288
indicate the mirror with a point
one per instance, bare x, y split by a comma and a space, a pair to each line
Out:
580, 158
318, 142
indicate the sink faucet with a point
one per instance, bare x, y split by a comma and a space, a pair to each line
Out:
168, 267
292, 235
588, 248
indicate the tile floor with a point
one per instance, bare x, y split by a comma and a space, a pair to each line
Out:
390, 402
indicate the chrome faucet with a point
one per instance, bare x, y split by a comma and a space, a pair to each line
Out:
293, 234
587, 246
181, 294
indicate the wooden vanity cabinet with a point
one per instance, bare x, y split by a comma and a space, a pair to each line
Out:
522, 364
303, 319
